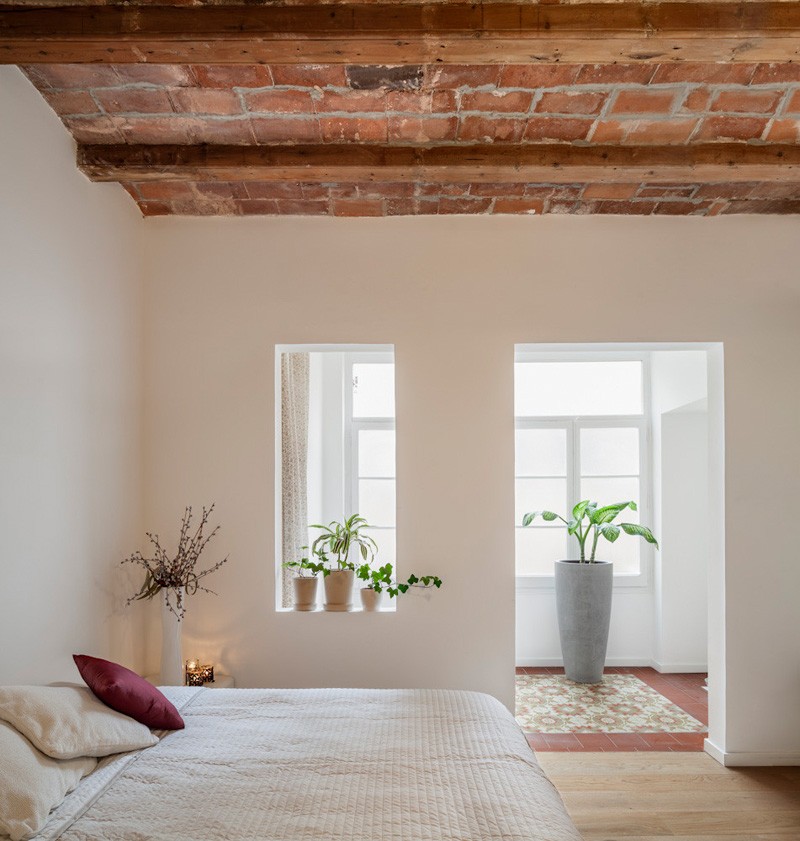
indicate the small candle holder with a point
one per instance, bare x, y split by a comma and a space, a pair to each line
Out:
194, 673
208, 673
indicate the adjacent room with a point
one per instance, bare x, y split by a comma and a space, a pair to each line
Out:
614, 424
398, 425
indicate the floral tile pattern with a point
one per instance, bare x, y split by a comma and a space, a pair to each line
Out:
620, 704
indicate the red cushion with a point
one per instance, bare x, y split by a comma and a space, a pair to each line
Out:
127, 693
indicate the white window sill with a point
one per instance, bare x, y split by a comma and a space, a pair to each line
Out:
392, 609
526, 583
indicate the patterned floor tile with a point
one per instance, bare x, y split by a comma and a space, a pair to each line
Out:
621, 704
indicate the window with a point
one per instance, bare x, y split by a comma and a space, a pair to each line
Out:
370, 430
335, 450
581, 433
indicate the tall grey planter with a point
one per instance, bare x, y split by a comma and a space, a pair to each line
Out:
583, 604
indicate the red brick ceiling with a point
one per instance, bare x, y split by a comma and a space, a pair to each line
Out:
641, 104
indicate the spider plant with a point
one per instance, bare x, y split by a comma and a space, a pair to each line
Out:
338, 539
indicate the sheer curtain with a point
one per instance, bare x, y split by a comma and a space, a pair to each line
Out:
294, 458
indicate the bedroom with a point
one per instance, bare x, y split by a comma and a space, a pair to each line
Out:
137, 372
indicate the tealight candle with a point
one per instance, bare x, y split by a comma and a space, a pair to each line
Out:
194, 673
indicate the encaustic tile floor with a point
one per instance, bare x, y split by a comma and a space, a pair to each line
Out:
634, 709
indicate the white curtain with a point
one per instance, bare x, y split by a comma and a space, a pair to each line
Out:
294, 458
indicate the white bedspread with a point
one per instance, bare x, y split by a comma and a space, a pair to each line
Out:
327, 764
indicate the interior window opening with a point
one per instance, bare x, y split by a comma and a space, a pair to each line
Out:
336, 454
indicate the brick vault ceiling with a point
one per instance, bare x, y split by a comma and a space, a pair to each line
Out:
681, 104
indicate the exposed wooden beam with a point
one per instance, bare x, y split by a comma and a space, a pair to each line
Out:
530, 163
405, 33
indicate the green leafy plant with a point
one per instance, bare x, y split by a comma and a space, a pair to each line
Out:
332, 549
600, 524
337, 539
304, 565
380, 579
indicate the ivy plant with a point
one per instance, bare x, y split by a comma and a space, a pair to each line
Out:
380, 579
592, 520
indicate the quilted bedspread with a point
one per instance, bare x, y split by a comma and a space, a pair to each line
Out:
324, 764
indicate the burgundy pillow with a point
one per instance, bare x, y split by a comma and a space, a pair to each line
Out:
127, 693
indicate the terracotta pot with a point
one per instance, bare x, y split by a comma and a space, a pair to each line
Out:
305, 592
370, 599
339, 590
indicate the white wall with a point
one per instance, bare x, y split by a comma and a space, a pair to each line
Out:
70, 453
630, 636
681, 473
454, 295
681, 636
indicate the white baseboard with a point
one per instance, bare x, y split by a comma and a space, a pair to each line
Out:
750, 759
664, 668
671, 668
713, 751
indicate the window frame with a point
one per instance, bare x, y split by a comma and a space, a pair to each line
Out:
573, 425
350, 353
352, 426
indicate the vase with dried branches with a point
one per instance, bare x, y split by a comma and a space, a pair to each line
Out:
175, 577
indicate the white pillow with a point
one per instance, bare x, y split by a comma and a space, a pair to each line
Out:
32, 784
69, 721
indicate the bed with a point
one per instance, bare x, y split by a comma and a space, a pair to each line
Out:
303, 764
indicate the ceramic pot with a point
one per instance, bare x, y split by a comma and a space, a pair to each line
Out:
172, 673
583, 604
339, 590
370, 599
305, 592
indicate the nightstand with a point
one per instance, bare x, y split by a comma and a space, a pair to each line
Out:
221, 681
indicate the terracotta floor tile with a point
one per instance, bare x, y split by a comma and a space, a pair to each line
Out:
594, 741
665, 739
689, 738
568, 740
631, 740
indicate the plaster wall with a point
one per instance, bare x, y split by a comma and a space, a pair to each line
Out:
454, 295
70, 400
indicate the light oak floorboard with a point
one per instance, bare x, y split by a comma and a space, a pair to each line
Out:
680, 797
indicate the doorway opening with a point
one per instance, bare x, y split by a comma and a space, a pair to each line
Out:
614, 423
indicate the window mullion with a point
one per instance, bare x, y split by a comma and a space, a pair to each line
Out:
574, 473
350, 438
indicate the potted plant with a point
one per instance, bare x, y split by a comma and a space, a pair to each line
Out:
175, 578
333, 546
584, 586
380, 580
305, 582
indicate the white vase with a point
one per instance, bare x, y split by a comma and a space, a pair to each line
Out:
171, 652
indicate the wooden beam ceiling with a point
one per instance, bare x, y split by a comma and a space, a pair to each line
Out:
530, 163
405, 33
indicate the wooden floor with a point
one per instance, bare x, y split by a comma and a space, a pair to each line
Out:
681, 797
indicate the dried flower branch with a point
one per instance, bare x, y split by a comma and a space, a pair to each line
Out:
176, 575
